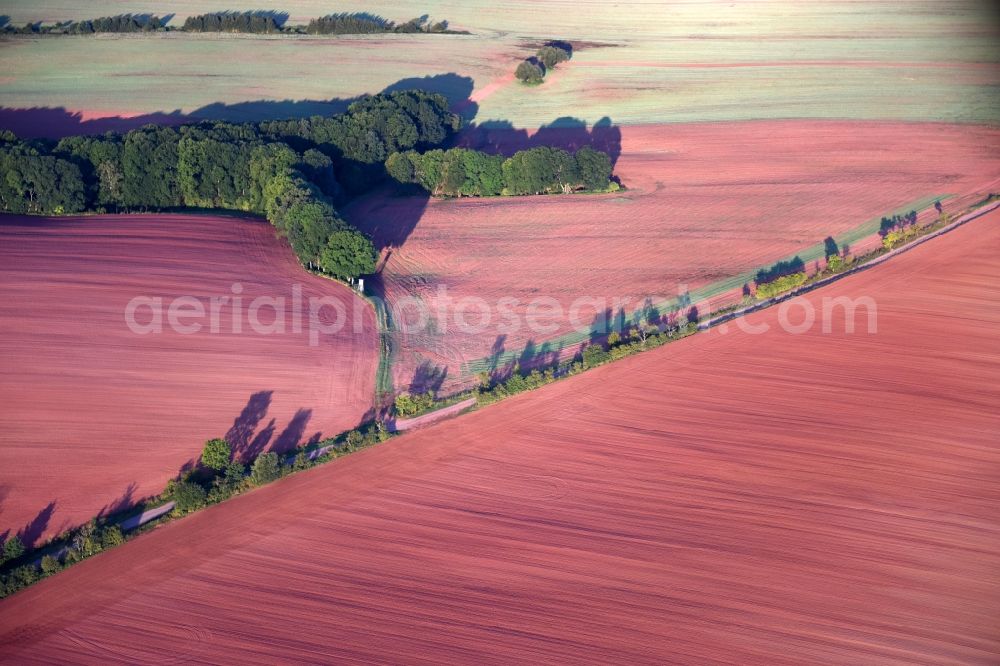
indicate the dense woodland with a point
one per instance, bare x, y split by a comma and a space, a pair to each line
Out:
462, 172
289, 171
293, 172
253, 22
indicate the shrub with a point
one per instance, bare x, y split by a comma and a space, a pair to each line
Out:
24, 575
550, 56
50, 565
112, 536
86, 541
408, 405
353, 440
899, 236
594, 355
266, 468
836, 263
13, 548
781, 285
621, 352
529, 73
301, 461
189, 496
216, 454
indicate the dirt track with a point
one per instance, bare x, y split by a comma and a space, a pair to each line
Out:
706, 203
756, 499
95, 414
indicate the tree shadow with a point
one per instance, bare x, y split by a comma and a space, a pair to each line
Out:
560, 44
33, 531
260, 441
456, 88
601, 325
428, 377
887, 224
59, 122
780, 269
647, 315
124, 502
279, 17
500, 137
241, 434
293, 432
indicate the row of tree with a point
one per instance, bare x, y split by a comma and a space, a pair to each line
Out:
220, 476
248, 167
462, 172
360, 23
532, 70
121, 23
255, 22
897, 222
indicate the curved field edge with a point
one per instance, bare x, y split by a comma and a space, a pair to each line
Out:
705, 202
718, 527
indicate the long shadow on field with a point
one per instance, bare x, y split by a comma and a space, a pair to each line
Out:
428, 377
247, 442
241, 435
293, 432
390, 213
780, 269
500, 137
124, 502
33, 531
58, 122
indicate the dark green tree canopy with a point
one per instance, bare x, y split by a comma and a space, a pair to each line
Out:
291, 170
463, 172
550, 56
529, 72
216, 454
348, 253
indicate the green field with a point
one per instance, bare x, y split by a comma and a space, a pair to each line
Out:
653, 63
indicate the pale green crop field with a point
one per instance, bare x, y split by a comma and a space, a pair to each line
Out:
647, 62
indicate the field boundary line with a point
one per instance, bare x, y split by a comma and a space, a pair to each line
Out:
871, 263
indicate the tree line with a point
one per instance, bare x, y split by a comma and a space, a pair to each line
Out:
289, 171
252, 22
360, 23
462, 172
532, 70
219, 477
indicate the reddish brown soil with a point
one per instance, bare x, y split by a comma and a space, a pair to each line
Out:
705, 202
749, 499
94, 412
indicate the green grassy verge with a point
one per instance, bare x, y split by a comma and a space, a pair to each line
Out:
709, 291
